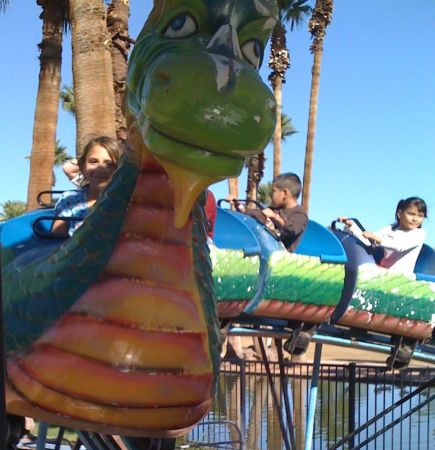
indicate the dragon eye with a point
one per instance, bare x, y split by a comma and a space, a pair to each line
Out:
182, 26
253, 52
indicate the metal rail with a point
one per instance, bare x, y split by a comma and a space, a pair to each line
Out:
374, 419
280, 333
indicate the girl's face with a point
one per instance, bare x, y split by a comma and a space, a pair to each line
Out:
98, 167
410, 218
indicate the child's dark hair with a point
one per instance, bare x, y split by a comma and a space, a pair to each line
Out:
418, 202
290, 181
111, 145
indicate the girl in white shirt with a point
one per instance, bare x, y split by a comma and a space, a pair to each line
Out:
403, 240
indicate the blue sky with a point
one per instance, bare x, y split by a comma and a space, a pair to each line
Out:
375, 138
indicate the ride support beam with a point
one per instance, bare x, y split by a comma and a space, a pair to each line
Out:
313, 397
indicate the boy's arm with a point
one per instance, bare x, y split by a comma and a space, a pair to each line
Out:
231, 199
293, 226
271, 214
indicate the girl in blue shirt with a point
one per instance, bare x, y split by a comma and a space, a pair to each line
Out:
97, 163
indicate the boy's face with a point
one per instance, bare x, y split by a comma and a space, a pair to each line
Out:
278, 196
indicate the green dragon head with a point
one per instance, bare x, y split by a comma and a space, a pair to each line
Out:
195, 92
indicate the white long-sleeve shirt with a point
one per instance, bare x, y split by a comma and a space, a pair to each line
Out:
401, 248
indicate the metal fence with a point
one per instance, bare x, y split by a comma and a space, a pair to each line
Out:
358, 406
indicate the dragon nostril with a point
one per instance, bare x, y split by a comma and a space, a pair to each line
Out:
163, 75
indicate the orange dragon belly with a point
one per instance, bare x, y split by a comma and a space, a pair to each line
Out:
138, 362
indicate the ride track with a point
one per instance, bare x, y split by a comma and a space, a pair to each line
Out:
115, 330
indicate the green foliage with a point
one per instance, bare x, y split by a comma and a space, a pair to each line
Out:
293, 11
60, 154
67, 99
287, 128
264, 193
11, 209
69, 435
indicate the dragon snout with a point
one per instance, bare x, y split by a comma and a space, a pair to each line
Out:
225, 42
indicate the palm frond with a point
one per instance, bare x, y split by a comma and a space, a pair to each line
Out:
3, 5
11, 209
287, 128
293, 12
60, 154
264, 193
67, 99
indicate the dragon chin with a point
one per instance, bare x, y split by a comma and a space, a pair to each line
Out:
191, 169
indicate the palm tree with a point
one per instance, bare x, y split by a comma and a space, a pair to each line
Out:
293, 11
321, 18
256, 164
47, 101
60, 157
92, 71
233, 188
255, 174
117, 24
11, 209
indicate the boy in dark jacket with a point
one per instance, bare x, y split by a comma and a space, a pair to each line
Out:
285, 218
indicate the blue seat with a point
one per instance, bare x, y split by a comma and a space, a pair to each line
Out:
319, 241
234, 230
17, 235
237, 231
425, 265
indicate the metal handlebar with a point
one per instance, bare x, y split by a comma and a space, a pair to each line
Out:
240, 200
354, 220
49, 234
44, 204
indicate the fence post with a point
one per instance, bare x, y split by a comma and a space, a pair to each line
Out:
313, 397
243, 401
351, 421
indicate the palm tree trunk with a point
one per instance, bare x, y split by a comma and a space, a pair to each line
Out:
117, 24
47, 101
251, 188
277, 137
320, 19
312, 117
233, 188
92, 71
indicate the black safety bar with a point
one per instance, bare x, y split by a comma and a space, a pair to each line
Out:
43, 204
243, 201
355, 221
49, 235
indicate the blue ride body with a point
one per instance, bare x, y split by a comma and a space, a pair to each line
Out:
237, 231
20, 246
